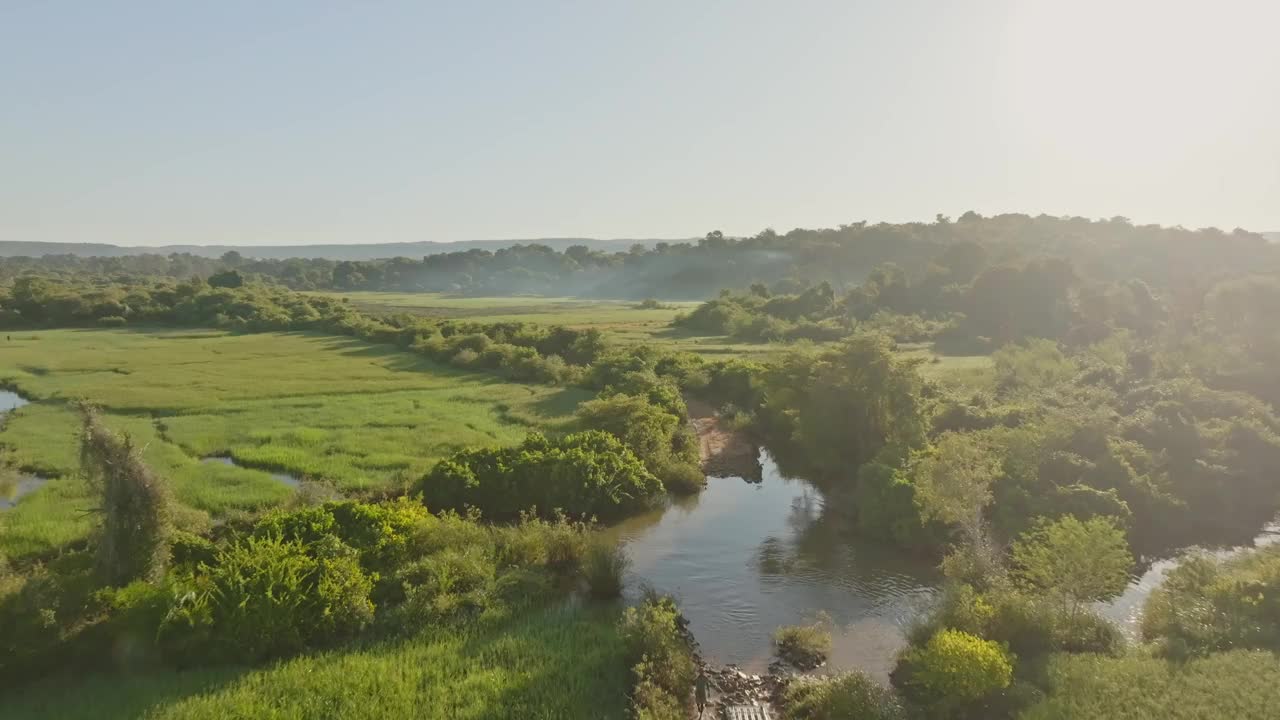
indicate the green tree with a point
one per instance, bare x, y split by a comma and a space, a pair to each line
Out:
953, 485
226, 279
1076, 562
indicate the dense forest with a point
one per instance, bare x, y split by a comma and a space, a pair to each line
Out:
1112, 250
1130, 409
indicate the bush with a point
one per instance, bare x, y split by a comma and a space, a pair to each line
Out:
804, 646
268, 597
112, 321
556, 545
1208, 604
133, 541
604, 567
658, 652
681, 478
851, 695
952, 673
587, 474
380, 532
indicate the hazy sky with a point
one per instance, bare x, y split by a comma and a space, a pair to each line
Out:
291, 122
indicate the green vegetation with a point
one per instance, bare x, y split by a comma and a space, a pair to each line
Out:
548, 664
330, 409
1207, 604
804, 646
604, 567
954, 671
850, 695
1235, 684
590, 474
1034, 401
661, 660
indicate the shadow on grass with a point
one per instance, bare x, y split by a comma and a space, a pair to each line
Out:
560, 662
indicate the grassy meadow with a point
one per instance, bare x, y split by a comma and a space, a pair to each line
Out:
622, 320
558, 663
332, 409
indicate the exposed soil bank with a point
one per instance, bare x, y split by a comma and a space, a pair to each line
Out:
725, 452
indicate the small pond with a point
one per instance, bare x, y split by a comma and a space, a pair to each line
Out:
12, 492
290, 480
10, 400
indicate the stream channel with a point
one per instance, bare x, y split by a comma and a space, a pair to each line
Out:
744, 558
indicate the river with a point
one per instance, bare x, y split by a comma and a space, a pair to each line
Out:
744, 558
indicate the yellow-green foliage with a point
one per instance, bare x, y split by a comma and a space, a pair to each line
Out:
544, 665
316, 406
1240, 685
955, 669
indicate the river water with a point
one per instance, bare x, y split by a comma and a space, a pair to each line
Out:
745, 558
25, 484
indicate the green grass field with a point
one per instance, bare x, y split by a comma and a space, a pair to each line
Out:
356, 415
625, 323
548, 664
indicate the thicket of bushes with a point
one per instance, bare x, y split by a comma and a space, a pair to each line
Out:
292, 581
587, 474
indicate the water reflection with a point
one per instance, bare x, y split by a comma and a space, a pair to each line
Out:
745, 558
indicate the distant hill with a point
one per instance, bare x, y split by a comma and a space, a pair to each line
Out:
373, 251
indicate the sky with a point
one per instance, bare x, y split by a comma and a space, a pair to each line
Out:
290, 122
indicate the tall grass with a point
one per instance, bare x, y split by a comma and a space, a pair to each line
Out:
604, 568
360, 417
1240, 684
548, 664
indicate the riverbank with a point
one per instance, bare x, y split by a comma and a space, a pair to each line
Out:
724, 451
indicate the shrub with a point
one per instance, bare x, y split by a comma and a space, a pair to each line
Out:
585, 474
804, 646
851, 695
678, 477
380, 532
604, 567
953, 672
136, 506
659, 654
1208, 604
191, 550
112, 321
454, 582
267, 597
